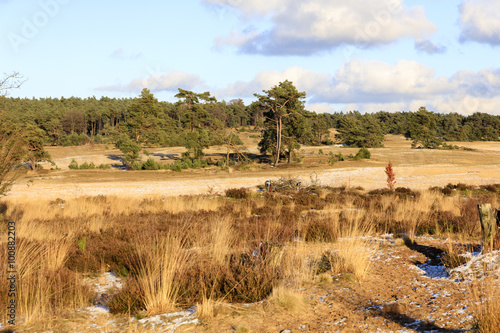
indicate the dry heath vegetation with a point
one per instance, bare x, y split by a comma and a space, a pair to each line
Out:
175, 252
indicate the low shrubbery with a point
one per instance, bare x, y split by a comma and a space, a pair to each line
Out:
178, 166
87, 166
238, 193
362, 153
238, 250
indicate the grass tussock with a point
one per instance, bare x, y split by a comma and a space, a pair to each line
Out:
161, 261
287, 299
349, 257
45, 288
486, 308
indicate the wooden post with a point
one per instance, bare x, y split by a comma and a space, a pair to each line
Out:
488, 225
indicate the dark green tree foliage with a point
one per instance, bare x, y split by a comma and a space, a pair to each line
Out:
294, 133
130, 150
54, 131
73, 121
422, 130
192, 114
240, 113
34, 138
319, 131
356, 130
143, 118
284, 110
195, 118
195, 142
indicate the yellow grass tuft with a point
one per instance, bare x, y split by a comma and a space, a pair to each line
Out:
486, 307
287, 299
352, 256
163, 260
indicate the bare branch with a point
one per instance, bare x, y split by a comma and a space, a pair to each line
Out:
10, 81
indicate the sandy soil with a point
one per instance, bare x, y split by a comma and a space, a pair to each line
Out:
417, 169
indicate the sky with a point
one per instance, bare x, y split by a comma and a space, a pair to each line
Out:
391, 55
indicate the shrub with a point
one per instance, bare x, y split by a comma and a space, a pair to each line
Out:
363, 153
136, 165
73, 165
331, 158
104, 166
150, 164
128, 300
75, 140
238, 193
391, 176
320, 230
177, 167
97, 139
86, 166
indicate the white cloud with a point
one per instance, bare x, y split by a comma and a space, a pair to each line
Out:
320, 108
371, 86
480, 21
303, 79
376, 81
306, 27
160, 82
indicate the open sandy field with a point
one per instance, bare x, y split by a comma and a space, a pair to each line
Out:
417, 169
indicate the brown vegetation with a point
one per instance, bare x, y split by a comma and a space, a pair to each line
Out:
181, 251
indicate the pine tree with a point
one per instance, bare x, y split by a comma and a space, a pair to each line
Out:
281, 102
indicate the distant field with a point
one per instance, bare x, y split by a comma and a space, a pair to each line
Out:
415, 168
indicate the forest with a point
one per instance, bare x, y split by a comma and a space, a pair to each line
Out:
197, 120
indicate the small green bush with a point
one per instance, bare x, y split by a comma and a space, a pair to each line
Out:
177, 167
104, 166
331, 158
150, 164
73, 165
87, 166
363, 153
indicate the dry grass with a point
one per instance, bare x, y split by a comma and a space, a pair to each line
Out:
219, 239
181, 251
161, 261
351, 255
486, 306
45, 288
287, 299
98, 206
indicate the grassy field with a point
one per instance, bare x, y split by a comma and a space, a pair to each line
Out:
415, 168
252, 261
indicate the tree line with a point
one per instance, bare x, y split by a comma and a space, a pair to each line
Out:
426, 129
197, 121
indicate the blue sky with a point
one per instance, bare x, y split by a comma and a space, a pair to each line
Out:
393, 55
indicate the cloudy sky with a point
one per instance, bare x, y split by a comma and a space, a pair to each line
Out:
393, 55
